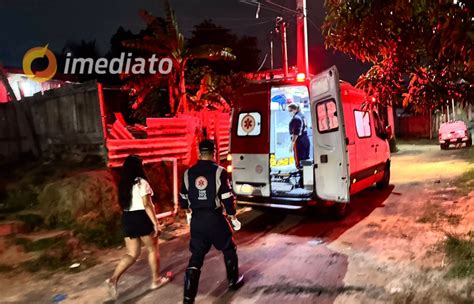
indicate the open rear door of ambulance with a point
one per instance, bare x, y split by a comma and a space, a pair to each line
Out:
250, 143
331, 167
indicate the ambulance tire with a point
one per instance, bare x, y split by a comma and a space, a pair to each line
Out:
443, 146
469, 142
339, 210
385, 181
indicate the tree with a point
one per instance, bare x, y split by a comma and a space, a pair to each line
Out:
164, 39
421, 50
244, 48
82, 49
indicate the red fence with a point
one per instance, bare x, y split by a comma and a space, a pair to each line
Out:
170, 138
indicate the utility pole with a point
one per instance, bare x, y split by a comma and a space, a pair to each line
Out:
281, 28
302, 37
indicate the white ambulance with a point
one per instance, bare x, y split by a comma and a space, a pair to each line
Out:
349, 144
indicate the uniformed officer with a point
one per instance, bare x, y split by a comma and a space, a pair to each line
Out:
299, 136
206, 191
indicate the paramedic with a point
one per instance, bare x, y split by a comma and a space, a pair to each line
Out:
299, 137
206, 191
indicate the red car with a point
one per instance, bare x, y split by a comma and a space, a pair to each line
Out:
454, 132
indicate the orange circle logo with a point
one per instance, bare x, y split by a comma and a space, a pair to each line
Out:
36, 53
248, 123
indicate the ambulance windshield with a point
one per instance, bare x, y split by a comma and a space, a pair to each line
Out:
281, 97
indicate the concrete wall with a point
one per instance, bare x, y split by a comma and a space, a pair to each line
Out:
64, 120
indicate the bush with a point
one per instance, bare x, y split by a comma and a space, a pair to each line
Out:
87, 203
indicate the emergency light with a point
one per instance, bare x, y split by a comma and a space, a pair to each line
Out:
300, 77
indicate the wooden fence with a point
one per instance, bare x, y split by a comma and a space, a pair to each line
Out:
62, 120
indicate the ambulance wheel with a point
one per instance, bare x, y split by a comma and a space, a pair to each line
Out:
469, 142
340, 210
443, 147
385, 181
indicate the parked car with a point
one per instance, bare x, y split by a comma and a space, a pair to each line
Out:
454, 132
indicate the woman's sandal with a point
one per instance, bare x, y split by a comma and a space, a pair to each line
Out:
112, 289
161, 281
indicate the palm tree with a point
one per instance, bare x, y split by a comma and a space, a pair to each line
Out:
164, 39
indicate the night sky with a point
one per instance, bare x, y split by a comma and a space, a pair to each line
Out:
29, 23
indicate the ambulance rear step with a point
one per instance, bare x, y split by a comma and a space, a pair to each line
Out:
275, 202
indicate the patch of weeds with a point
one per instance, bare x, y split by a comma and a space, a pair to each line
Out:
41, 244
460, 252
431, 214
102, 236
465, 183
454, 219
5, 268
32, 221
54, 258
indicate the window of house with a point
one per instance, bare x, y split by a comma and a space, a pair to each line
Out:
362, 122
327, 116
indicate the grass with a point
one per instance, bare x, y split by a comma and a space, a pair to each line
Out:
5, 268
465, 183
417, 141
460, 252
42, 244
432, 214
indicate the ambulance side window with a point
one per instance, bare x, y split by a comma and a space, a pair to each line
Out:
249, 124
379, 126
362, 122
326, 112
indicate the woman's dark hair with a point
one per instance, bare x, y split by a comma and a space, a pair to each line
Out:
132, 168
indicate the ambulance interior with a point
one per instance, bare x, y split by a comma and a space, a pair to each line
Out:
286, 179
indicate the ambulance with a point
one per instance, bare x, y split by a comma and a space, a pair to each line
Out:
349, 143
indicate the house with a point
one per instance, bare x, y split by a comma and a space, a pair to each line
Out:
22, 86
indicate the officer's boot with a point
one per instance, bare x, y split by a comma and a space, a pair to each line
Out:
235, 280
191, 283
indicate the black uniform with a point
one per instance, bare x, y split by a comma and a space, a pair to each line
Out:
206, 190
302, 145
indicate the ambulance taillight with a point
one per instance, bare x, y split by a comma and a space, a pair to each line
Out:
229, 167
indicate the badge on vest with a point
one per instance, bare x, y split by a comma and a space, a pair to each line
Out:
201, 184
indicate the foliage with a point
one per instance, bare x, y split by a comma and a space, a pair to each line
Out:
421, 50
460, 252
163, 38
86, 203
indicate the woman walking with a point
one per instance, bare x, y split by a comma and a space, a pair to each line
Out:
139, 223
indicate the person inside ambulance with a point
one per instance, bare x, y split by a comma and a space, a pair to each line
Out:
300, 144
206, 191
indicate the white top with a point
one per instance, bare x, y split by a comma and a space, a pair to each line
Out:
140, 189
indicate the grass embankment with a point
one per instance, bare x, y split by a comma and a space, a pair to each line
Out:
78, 196
460, 249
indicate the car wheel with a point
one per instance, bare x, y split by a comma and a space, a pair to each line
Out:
469, 142
339, 210
385, 181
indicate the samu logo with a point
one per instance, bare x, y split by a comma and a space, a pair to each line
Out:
37, 53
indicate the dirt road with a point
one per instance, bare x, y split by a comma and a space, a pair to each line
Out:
386, 251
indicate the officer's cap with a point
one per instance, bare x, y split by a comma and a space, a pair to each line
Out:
206, 146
